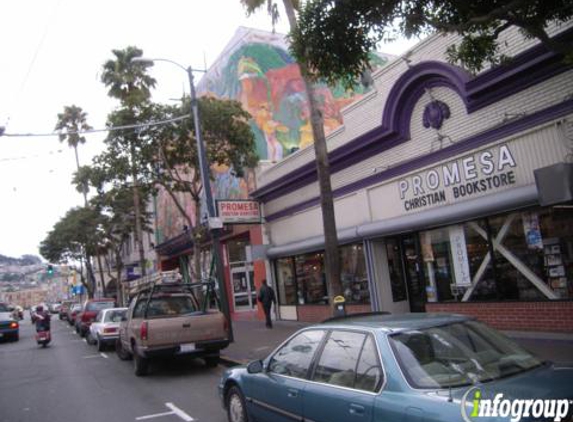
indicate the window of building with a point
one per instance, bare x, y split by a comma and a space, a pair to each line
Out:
532, 259
311, 281
286, 281
353, 274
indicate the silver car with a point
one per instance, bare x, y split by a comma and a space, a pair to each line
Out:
104, 330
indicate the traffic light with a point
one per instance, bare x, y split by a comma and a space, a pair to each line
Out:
50, 270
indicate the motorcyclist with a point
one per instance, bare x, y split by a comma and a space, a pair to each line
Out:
41, 318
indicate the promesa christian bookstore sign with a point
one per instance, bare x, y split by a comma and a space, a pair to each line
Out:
488, 170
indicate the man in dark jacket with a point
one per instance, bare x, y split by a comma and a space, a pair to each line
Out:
267, 298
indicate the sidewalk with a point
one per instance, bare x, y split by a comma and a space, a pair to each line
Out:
253, 341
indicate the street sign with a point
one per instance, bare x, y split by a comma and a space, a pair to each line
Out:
238, 211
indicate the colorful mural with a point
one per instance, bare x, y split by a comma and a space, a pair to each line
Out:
256, 69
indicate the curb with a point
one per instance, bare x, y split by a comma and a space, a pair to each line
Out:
230, 362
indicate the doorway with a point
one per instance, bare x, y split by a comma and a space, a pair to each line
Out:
243, 282
410, 245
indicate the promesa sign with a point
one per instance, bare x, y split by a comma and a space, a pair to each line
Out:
238, 211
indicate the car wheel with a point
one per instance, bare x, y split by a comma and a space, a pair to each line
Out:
16, 337
100, 345
236, 410
89, 338
211, 361
121, 353
140, 365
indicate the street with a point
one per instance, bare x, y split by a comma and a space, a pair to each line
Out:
70, 381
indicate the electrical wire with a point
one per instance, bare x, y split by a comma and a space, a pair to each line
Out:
109, 129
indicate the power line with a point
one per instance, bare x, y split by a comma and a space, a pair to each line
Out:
109, 129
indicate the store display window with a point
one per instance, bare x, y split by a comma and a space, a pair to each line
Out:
311, 281
286, 281
353, 274
532, 257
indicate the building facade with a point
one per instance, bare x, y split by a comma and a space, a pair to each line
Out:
452, 193
255, 69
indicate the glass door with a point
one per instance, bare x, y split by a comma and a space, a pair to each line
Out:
414, 277
243, 280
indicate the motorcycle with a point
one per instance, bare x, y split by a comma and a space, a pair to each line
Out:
43, 334
43, 337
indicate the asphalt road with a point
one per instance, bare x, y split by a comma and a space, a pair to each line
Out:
70, 381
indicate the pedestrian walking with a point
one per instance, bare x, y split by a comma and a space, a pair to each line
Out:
267, 297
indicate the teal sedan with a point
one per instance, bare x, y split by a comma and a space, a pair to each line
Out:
411, 367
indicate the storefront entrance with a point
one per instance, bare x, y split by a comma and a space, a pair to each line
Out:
414, 273
243, 281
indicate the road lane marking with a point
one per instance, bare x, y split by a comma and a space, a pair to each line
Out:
179, 412
103, 355
174, 411
157, 415
91, 356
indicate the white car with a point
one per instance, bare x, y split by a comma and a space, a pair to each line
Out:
104, 330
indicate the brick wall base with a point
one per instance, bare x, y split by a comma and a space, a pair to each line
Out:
318, 313
519, 316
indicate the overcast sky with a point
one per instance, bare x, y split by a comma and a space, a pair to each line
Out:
51, 56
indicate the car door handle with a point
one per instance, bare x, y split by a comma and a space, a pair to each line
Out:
187, 325
291, 392
356, 409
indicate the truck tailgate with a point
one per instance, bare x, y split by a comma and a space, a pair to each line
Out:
186, 329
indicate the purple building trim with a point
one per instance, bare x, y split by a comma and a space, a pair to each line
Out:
526, 69
476, 141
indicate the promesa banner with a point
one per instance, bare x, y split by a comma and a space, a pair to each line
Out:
238, 211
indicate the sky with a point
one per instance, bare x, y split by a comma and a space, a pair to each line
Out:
52, 52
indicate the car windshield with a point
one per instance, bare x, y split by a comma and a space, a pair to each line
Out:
98, 306
457, 355
114, 316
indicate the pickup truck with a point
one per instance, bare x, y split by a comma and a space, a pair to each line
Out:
167, 320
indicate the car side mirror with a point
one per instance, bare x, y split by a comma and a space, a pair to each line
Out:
255, 367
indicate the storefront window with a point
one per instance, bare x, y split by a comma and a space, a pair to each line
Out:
237, 251
454, 258
310, 279
535, 255
286, 282
532, 260
353, 275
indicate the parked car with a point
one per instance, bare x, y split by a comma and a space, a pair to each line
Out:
9, 327
415, 367
168, 320
73, 312
104, 330
89, 312
54, 308
64, 309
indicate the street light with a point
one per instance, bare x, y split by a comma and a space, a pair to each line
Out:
206, 181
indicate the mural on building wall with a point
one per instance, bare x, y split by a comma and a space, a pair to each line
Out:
257, 70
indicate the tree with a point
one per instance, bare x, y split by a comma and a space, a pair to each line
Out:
129, 82
70, 124
331, 255
74, 238
228, 140
334, 37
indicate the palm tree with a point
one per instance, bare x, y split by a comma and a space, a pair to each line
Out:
331, 257
70, 124
129, 82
